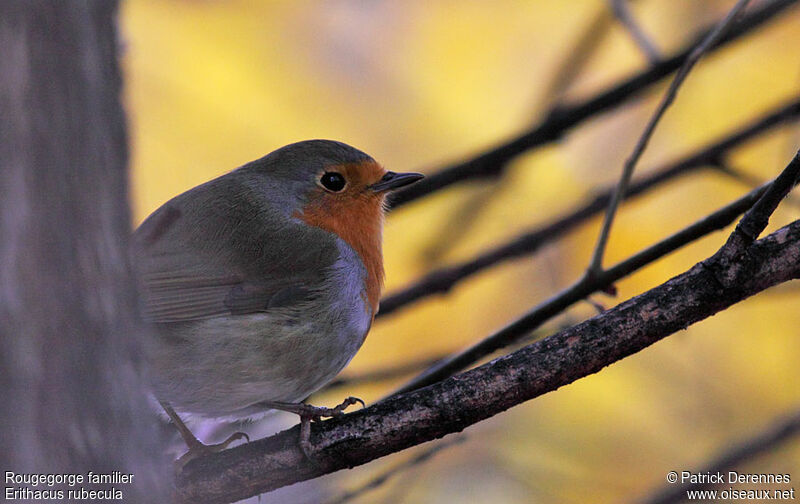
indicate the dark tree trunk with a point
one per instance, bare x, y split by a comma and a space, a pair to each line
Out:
70, 374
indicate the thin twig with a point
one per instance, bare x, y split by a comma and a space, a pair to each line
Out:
588, 285
779, 432
383, 477
596, 263
443, 279
454, 404
750, 180
462, 220
623, 13
756, 220
493, 161
764, 200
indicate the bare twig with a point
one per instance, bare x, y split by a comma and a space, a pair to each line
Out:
596, 263
776, 434
765, 199
383, 477
442, 280
750, 180
756, 220
493, 161
623, 13
578, 291
450, 406
462, 220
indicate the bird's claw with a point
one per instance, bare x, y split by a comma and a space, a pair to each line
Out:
338, 410
317, 413
309, 413
198, 449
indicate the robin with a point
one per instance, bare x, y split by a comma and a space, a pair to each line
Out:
263, 283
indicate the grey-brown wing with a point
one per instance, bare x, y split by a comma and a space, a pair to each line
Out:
182, 295
200, 257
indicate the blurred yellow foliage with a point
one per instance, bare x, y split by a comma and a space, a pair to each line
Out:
211, 85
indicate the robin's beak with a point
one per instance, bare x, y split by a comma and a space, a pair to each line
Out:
392, 181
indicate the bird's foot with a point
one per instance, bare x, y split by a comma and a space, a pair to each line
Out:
317, 413
309, 413
198, 449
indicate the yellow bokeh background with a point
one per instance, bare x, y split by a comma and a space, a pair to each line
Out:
212, 84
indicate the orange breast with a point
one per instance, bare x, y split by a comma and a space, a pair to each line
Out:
358, 220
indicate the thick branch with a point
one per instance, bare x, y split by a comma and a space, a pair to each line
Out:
443, 279
458, 402
492, 162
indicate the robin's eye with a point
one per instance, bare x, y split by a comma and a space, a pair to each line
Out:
332, 181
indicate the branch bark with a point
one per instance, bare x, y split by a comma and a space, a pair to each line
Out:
69, 365
458, 402
492, 162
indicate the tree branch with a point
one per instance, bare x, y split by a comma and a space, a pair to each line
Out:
493, 162
757, 218
765, 199
750, 180
579, 291
443, 279
576, 56
458, 402
596, 262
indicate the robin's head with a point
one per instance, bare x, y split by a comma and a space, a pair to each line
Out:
335, 187
330, 176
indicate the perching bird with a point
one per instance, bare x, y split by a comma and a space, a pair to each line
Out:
263, 283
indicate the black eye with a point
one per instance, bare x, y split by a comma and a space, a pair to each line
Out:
332, 181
